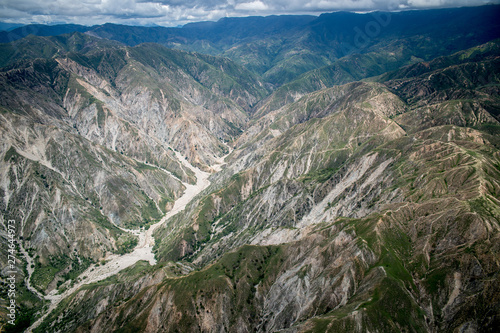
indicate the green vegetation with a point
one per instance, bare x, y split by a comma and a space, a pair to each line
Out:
24, 318
78, 266
126, 243
43, 275
11, 155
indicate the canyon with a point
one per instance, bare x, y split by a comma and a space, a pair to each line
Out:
176, 186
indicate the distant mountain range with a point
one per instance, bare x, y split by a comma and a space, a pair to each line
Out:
282, 47
9, 26
359, 191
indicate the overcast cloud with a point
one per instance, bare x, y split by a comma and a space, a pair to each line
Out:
178, 12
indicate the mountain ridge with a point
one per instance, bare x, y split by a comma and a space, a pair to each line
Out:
280, 51
343, 205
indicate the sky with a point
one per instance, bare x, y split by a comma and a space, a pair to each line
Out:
180, 12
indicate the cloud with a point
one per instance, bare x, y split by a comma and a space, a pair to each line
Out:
176, 12
251, 6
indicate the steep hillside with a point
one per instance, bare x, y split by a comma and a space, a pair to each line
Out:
363, 207
33, 47
91, 132
364, 66
211, 93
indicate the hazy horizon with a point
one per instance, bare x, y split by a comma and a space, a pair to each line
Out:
174, 13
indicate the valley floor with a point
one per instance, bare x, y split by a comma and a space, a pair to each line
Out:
115, 263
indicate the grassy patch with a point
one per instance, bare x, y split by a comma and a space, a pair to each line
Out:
11, 155
77, 267
101, 116
144, 167
393, 310
126, 243
435, 280
42, 276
